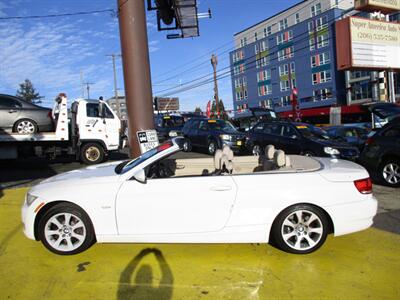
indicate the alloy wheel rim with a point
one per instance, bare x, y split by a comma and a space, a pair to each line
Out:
256, 150
25, 127
211, 148
391, 173
92, 153
302, 230
65, 232
186, 146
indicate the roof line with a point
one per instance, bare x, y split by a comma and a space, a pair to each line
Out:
270, 17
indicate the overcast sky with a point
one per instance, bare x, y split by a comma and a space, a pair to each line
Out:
52, 52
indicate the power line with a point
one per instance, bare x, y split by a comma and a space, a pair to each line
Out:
57, 15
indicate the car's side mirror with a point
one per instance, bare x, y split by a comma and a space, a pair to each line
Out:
294, 137
140, 176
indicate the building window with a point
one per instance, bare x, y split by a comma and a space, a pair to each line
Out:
285, 53
283, 24
322, 22
243, 42
262, 62
256, 48
323, 94
265, 103
361, 90
283, 70
238, 69
284, 85
297, 18
321, 77
323, 40
320, 59
255, 36
245, 93
242, 106
284, 37
315, 9
263, 46
263, 75
264, 89
285, 101
292, 67
269, 30
238, 55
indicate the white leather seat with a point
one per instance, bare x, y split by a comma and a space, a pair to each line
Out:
269, 152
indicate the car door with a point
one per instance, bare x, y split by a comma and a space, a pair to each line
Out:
202, 134
112, 127
175, 205
190, 131
94, 126
10, 110
269, 135
289, 140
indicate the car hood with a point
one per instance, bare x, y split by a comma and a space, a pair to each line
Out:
331, 143
99, 173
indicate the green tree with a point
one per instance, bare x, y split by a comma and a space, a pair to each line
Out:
197, 110
222, 113
27, 92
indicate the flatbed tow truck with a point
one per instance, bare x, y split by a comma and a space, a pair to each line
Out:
89, 135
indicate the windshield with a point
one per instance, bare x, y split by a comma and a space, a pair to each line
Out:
222, 126
310, 131
127, 165
172, 121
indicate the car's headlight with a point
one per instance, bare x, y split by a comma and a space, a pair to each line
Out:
30, 198
225, 137
331, 151
173, 133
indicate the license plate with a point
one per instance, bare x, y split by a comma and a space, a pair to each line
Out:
239, 143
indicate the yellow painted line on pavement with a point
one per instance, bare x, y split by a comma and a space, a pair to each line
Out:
356, 266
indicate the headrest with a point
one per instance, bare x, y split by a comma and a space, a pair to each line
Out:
269, 151
228, 152
279, 158
217, 159
227, 163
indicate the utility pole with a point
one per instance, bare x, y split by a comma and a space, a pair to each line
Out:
214, 62
136, 65
88, 84
115, 84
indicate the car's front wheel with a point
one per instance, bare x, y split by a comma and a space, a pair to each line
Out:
389, 172
66, 229
212, 147
187, 146
300, 229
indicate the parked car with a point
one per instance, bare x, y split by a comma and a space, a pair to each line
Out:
23, 117
168, 126
248, 118
381, 155
297, 138
195, 202
212, 134
353, 135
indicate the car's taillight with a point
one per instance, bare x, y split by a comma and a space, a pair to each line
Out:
369, 141
49, 114
364, 186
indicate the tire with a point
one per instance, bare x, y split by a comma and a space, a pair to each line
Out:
211, 147
308, 153
25, 126
389, 172
293, 232
92, 153
66, 229
256, 150
187, 146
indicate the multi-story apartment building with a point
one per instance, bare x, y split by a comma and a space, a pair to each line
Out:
295, 48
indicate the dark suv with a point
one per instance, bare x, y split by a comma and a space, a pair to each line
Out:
168, 126
211, 134
297, 138
381, 154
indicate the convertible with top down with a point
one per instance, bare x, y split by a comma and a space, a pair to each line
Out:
293, 201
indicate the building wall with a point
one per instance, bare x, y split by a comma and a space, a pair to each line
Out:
244, 64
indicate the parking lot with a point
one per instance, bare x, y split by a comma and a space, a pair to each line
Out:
360, 265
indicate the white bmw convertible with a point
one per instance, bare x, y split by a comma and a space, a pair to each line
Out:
292, 201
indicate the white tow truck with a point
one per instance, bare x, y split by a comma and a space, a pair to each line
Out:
92, 131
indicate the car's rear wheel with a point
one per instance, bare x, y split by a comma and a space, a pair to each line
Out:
389, 172
25, 126
66, 229
187, 146
300, 229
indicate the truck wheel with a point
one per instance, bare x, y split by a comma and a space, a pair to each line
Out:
66, 229
92, 153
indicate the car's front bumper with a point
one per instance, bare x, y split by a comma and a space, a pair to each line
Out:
28, 219
236, 146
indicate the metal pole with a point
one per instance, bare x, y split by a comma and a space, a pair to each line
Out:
214, 62
136, 65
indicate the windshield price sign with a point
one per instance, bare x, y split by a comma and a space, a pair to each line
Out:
148, 140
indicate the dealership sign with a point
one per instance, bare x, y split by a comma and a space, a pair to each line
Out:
367, 44
167, 103
384, 6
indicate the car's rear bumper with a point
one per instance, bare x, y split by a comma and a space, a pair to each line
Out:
354, 216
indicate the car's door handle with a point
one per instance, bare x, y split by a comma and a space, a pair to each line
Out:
220, 188
12, 111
